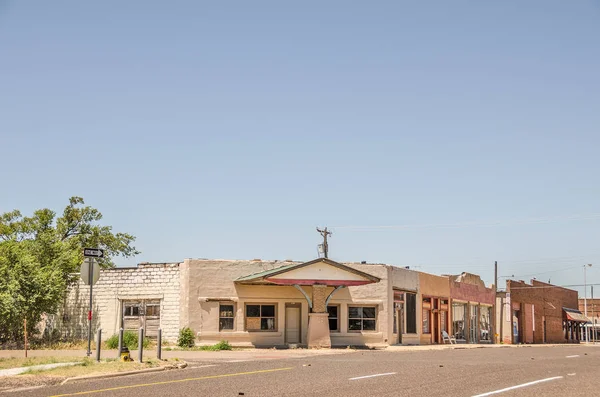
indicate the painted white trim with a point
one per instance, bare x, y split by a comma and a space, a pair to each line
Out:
535, 382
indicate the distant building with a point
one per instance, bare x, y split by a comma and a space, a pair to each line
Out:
539, 313
472, 309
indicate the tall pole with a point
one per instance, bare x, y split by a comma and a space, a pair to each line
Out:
587, 339
91, 282
496, 299
325, 233
593, 325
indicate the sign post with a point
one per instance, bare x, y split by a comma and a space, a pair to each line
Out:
90, 273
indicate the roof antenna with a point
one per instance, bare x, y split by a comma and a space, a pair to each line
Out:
324, 248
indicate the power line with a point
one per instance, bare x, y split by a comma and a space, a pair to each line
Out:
522, 221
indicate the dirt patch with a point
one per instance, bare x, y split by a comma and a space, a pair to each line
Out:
88, 367
19, 381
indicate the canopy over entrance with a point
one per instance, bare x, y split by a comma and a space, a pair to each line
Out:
320, 271
575, 315
320, 274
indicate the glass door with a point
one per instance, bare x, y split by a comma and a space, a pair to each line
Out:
473, 324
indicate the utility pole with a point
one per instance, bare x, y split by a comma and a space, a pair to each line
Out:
593, 324
325, 233
496, 276
585, 295
496, 298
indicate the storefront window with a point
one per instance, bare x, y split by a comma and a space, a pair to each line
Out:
411, 313
444, 320
226, 317
334, 319
426, 329
361, 318
485, 325
459, 319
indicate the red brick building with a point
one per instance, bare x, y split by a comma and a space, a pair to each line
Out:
540, 313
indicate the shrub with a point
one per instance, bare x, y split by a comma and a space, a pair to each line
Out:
130, 340
186, 338
223, 345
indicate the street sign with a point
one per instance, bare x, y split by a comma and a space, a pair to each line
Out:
93, 252
90, 265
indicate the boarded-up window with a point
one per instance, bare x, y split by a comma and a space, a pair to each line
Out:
260, 318
142, 313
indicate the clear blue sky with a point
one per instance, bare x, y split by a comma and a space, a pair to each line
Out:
232, 129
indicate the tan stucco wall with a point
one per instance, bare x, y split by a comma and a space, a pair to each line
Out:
430, 286
405, 280
210, 280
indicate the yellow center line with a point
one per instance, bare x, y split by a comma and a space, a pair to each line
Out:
173, 381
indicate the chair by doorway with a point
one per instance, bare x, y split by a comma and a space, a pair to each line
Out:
448, 338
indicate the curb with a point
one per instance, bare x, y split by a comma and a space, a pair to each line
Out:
125, 373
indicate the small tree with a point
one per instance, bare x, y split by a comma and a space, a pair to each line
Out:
39, 256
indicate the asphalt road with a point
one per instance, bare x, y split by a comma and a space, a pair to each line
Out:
554, 371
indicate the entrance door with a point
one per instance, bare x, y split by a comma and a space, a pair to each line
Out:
435, 328
399, 320
292, 324
515, 327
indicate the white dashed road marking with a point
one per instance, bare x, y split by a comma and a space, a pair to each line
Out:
535, 382
372, 376
573, 356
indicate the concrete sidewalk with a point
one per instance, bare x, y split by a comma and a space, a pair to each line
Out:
478, 346
20, 370
226, 355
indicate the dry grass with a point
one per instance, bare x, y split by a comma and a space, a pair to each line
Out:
91, 367
14, 362
87, 367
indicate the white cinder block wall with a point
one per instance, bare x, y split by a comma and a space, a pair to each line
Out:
146, 281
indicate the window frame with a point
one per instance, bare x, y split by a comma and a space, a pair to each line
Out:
233, 311
362, 318
275, 318
426, 322
338, 329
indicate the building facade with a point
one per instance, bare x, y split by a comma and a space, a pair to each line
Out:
320, 303
146, 296
472, 309
539, 313
434, 299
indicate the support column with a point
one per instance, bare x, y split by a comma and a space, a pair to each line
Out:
318, 320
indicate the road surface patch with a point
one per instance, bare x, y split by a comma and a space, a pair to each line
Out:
173, 381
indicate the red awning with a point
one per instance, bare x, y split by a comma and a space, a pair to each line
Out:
575, 315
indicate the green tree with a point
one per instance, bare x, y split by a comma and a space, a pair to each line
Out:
39, 256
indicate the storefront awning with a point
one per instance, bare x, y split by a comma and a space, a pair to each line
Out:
319, 271
575, 315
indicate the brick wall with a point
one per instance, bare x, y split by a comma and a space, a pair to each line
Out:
548, 301
147, 281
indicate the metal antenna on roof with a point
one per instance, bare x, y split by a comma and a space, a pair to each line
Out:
325, 233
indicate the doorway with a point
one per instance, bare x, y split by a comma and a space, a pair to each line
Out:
399, 320
292, 323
